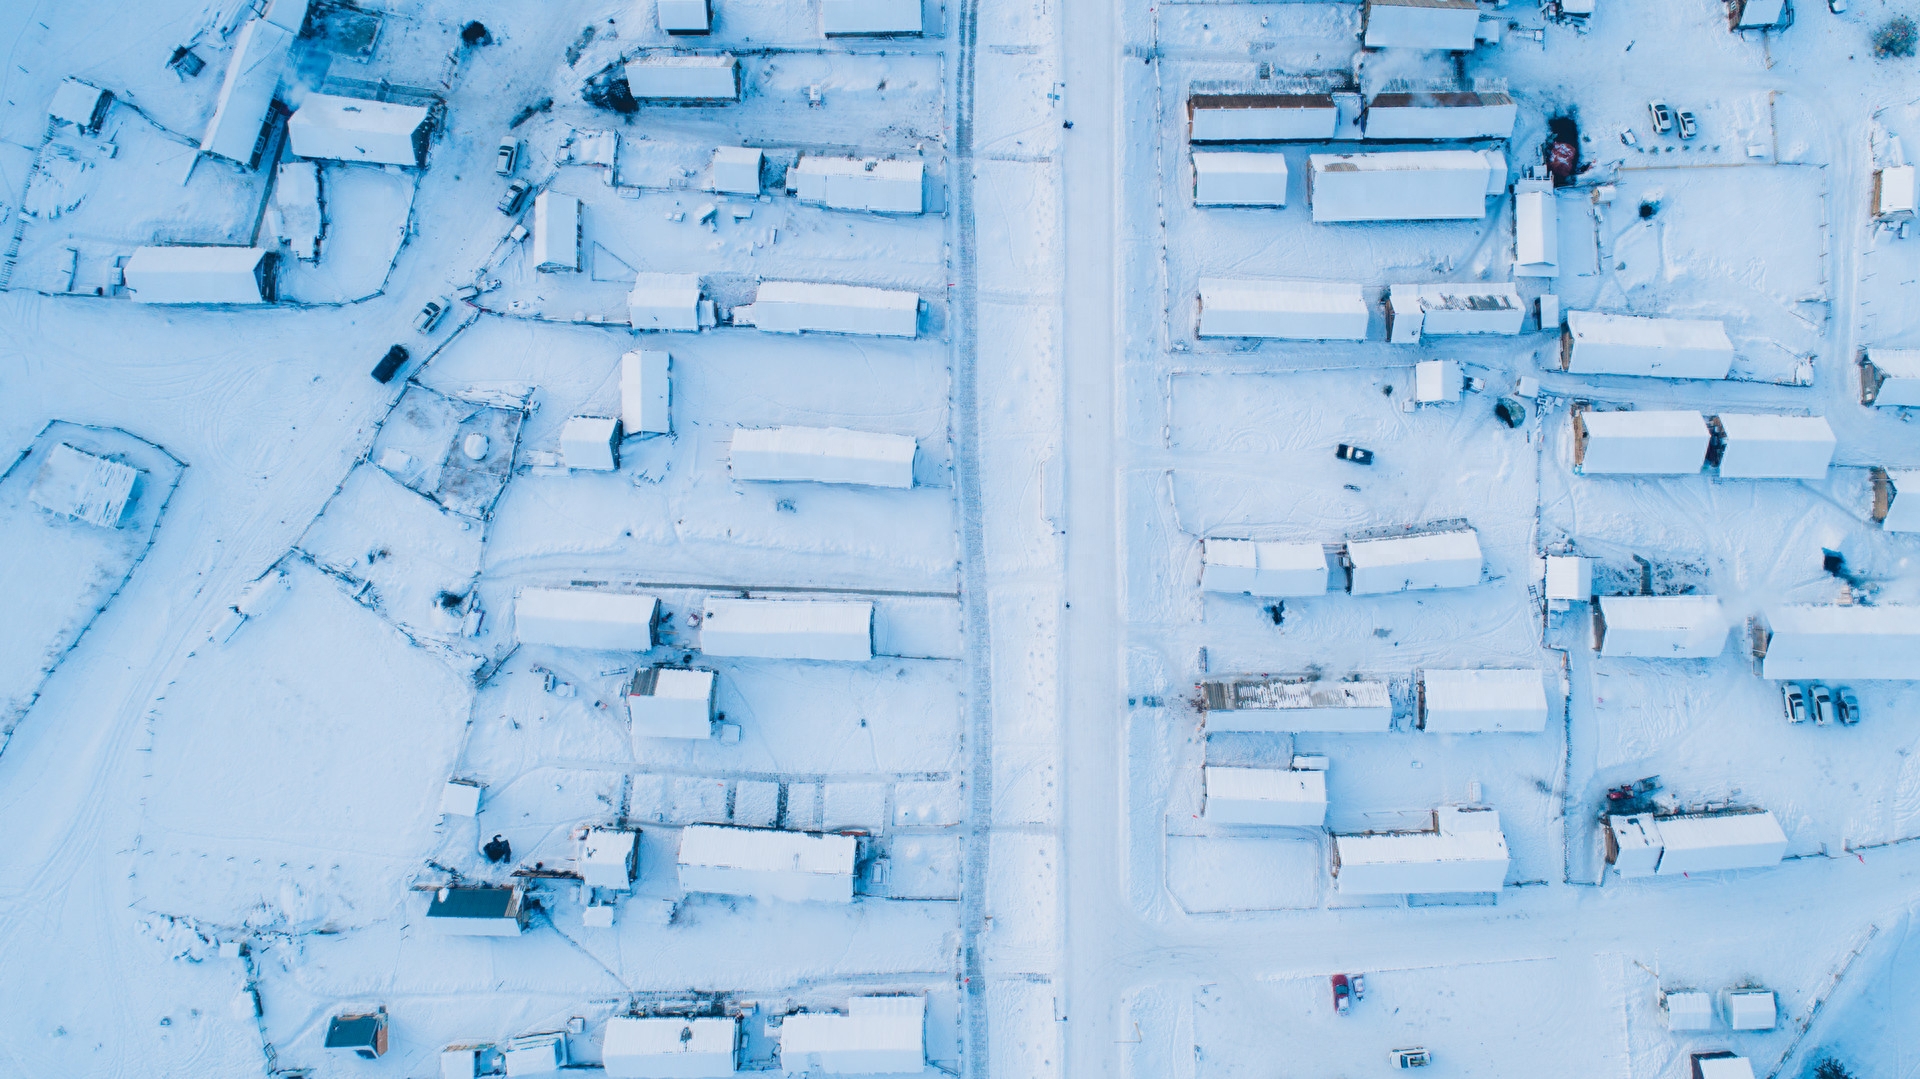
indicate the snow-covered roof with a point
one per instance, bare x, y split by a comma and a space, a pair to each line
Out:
684, 16
853, 183
664, 301
1268, 796
1569, 577
847, 17
1752, 1009
556, 232
1436, 382
1444, 308
788, 628
1633, 844
87, 488
822, 455
735, 170
1407, 563
1466, 852
1765, 447
460, 798
645, 389
288, 15
1422, 24
1689, 1011
1663, 627
1471, 701
810, 306
767, 863
1842, 642
1261, 117
671, 702
1759, 14
669, 1047
1653, 443
1710, 842
1239, 178
1893, 190
584, 618
356, 129
1902, 511
253, 77
77, 103
535, 1055
877, 1035
296, 195
591, 443
1401, 185
660, 77
608, 857
1291, 310
1536, 231
1603, 344
1267, 704
1726, 1066
1263, 568
198, 273
1440, 115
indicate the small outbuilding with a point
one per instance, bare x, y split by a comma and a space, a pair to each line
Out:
1689, 1011
1436, 382
609, 858
1536, 230
669, 1047
531, 1055
1298, 705
646, 392
876, 185
591, 443
1239, 178
684, 80
664, 301
1761, 14
243, 112
767, 864
1449, 559
1464, 851
1660, 627
483, 911
585, 618
735, 170
819, 629
556, 233
1261, 117
822, 455
1893, 191
849, 18
357, 129
1439, 116
1652, 443
460, 798
363, 1034
1839, 642
201, 274
1752, 1009
1897, 513
1763, 447
81, 104
671, 702
1724, 1064
876, 1036
815, 307
1453, 25
1602, 344
88, 488
296, 199
1261, 568
1404, 185
684, 18
1287, 310
1490, 307
1265, 796
1890, 377
1477, 702
1569, 580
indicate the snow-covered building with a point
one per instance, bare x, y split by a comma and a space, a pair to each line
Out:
296, 198
1266, 796
1464, 851
788, 628
1289, 310
1895, 512
1422, 24
877, 185
645, 392
1239, 178
81, 104
767, 864
1536, 230
1449, 559
1839, 642
671, 702
1760, 14
684, 18
1752, 1009
1689, 1011
1652, 443
356, 129
1404, 185
1469, 702
1890, 377
482, 911
1602, 344
201, 273
591, 443
584, 618
1767, 447
667, 1047
877, 1036
1280, 705
556, 233
1723, 1064
1482, 307
684, 80
534, 1055
822, 455
80, 485
815, 307
1440, 116
609, 858
1893, 191
735, 170
1644, 844
664, 301
847, 18
1569, 580
1436, 382
1261, 117
1661, 627
460, 798
1260, 568
244, 109
288, 15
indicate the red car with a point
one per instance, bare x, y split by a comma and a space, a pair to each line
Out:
1342, 994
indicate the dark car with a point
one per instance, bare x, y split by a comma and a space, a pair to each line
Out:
1353, 453
1689, 125
390, 365
516, 194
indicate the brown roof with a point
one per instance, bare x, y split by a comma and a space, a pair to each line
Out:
1259, 101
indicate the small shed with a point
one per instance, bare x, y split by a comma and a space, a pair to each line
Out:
1839, 642
1633, 845
1895, 513
584, 618
1436, 382
684, 80
876, 185
1602, 344
357, 129
1464, 851
1660, 627
201, 273
1260, 568
1653, 443
671, 702
1261, 117
363, 1034
1440, 116
244, 108
1487, 307
1713, 842
1760, 14
1403, 185
1449, 559
1472, 702
556, 233
1569, 580
591, 443
1893, 191
1422, 24
645, 392
809, 306
1762, 447
88, 488
1724, 1064
1536, 230
609, 858
767, 864
1295, 705
460, 798
822, 455
1890, 377
788, 628
682, 18
664, 301
669, 1047
463, 1061
877, 1036
1265, 796
1288, 310
847, 18
735, 170
535, 1054
1689, 1011
1752, 1009
81, 104
483, 911
1239, 178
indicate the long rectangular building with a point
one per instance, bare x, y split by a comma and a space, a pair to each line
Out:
1601, 344
767, 864
1297, 706
822, 455
1404, 185
1464, 851
1440, 116
1840, 642
1286, 310
1261, 117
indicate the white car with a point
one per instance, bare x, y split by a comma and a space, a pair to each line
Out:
431, 314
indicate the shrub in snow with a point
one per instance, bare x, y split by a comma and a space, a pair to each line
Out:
1896, 37
1830, 1068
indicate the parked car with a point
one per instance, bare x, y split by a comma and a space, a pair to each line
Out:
1822, 706
1689, 126
509, 156
390, 364
1662, 117
430, 315
1796, 702
516, 194
1849, 706
1353, 453
1838, 7
1410, 1058
1627, 136
1342, 994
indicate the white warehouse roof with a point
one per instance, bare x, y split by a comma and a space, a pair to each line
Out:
1663, 627
788, 628
1404, 185
1440, 115
246, 94
1842, 642
767, 864
1448, 309
1603, 344
852, 183
664, 301
1285, 706
735, 170
1263, 568
591, 443
556, 232
1408, 563
1422, 24
669, 1048
1762, 447
1239, 178
670, 702
1894, 375
1752, 1009
197, 273
1689, 1011
877, 1036
582, 618
803, 306
1261, 117
1653, 443
1267, 796
684, 78
1893, 190
1465, 852
822, 455
1724, 1067
645, 392
1291, 310
1536, 230
356, 129
1461, 702
1712, 842
846, 17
